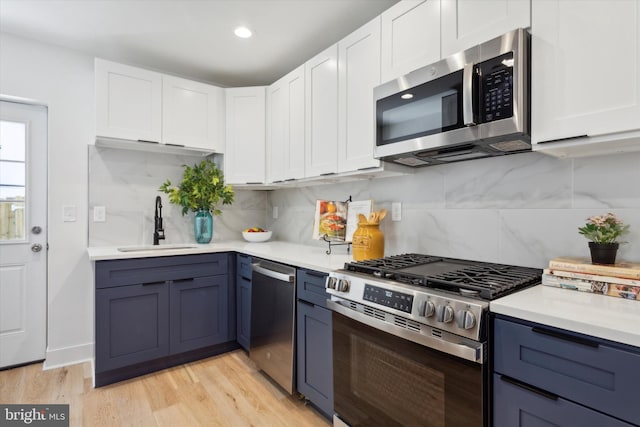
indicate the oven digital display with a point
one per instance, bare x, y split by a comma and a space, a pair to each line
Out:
396, 300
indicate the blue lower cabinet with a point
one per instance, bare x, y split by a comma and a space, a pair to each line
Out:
314, 356
550, 376
132, 325
198, 313
243, 313
519, 405
153, 313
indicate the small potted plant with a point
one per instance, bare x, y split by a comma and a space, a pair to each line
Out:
201, 190
603, 231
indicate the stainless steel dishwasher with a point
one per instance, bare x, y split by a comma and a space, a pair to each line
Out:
273, 299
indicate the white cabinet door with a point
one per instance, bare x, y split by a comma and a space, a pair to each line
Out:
466, 23
585, 68
277, 138
192, 114
410, 37
128, 102
285, 127
358, 74
244, 158
296, 124
321, 142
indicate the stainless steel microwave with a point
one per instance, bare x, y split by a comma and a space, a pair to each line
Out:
470, 105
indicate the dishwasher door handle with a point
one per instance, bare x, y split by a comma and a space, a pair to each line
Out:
273, 274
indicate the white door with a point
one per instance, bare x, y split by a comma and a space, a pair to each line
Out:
23, 233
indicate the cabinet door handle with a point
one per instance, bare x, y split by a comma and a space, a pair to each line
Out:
565, 337
159, 282
301, 301
148, 141
315, 273
182, 280
528, 387
245, 279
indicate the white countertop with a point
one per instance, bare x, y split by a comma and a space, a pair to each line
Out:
311, 257
611, 318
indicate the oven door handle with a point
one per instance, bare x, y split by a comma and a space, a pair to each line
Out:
473, 354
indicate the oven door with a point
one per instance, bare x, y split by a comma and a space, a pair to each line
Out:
383, 380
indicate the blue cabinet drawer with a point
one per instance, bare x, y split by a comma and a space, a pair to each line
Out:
576, 367
244, 266
149, 270
518, 405
310, 286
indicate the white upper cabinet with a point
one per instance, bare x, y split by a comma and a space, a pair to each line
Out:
410, 37
321, 93
244, 158
192, 114
585, 76
128, 102
466, 23
358, 74
285, 127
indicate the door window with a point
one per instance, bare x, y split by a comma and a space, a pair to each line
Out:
13, 136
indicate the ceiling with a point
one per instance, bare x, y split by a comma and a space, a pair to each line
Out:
193, 38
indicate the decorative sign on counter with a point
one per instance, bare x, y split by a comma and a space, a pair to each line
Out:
618, 280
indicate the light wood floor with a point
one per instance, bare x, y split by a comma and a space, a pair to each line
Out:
225, 390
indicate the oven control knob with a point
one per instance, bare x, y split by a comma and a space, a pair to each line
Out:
343, 285
426, 308
331, 282
444, 313
465, 319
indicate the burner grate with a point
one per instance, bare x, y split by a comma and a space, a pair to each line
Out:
472, 278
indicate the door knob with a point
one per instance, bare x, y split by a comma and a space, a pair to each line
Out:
36, 229
36, 247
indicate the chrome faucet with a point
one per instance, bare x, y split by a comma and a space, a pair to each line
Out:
158, 231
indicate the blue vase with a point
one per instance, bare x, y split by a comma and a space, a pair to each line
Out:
203, 226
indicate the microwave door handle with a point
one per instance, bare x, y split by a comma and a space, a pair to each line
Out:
467, 95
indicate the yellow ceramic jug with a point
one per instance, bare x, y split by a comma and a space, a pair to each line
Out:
368, 242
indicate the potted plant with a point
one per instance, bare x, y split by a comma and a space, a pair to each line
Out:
603, 231
201, 190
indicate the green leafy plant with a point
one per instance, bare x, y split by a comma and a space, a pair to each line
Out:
603, 228
202, 187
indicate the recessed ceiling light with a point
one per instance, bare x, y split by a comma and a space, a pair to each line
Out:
407, 96
243, 32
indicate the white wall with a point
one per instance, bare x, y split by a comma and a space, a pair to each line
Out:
63, 80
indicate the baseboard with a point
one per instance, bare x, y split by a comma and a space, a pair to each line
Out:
57, 358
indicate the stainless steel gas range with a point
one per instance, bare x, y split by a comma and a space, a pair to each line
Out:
410, 338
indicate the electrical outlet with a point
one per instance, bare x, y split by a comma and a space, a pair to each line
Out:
275, 212
69, 213
396, 211
99, 214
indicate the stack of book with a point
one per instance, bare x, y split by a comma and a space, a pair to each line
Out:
618, 280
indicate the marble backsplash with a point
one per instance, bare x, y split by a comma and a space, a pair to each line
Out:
126, 183
521, 209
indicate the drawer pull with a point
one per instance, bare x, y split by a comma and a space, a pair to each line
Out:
565, 337
181, 280
301, 301
245, 279
315, 273
160, 282
530, 388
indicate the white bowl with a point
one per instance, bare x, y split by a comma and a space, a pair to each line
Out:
257, 236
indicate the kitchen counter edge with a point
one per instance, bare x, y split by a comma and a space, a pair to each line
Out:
311, 257
610, 318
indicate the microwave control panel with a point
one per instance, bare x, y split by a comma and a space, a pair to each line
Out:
496, 76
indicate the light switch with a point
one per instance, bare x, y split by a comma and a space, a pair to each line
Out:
99, 214
69, 213
396, 211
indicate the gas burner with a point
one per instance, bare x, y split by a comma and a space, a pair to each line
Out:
470, 278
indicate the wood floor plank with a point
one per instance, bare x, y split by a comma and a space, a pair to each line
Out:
226, 391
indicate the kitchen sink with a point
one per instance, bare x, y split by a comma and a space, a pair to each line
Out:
154, 248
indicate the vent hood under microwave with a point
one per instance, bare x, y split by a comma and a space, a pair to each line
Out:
473, 104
